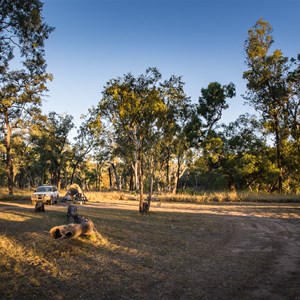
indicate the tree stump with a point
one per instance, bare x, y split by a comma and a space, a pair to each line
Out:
39, 207
144, 208
72, 214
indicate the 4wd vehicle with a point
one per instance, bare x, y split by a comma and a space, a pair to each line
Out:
45, 193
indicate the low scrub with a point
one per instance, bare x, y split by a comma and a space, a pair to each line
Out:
205, 197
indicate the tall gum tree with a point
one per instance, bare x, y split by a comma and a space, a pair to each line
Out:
134, 106
22, 35
174, 144
267, 89
294, 120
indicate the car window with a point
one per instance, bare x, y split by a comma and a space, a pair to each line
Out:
45, 189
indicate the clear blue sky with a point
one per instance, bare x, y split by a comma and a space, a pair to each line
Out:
201, 40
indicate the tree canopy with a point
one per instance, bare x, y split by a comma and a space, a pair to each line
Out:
145, 135
22, 36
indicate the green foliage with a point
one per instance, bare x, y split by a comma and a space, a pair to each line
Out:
145, 132
22, 36
213, 102
49, 138
268, 87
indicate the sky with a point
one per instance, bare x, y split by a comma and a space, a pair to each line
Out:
200, 40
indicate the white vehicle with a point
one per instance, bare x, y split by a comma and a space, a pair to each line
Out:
45, 193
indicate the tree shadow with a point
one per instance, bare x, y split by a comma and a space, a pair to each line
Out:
163, 255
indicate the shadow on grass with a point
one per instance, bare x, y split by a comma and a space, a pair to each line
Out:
163, 255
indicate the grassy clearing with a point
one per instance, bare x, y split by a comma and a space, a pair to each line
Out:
163, 255
130, 257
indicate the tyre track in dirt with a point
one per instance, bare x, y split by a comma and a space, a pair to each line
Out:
281, 239
255, 255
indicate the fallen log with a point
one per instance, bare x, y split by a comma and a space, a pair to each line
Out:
73, 230
77, 226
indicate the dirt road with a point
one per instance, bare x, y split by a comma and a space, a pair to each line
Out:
237, 251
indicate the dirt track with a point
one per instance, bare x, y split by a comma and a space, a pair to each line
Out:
251, 251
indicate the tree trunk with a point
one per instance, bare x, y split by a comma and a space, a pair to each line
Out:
168, 172
178, 176
110, 179
136, 176
152, 166
131, 186
141, 189
118, 181
143, 205
9, 161
185, 181
278, 154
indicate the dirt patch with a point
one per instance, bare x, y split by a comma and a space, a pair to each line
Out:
178, 251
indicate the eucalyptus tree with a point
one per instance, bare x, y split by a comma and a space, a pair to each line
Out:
205, 115
174, 143
88, 138
24, 159
23, 73
267, 88
212, 103
134, 106
292, 158
245, 158
294, 103
50, 139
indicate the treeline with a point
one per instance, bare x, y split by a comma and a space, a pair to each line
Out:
145, 134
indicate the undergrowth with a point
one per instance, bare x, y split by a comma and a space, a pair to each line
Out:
204, 197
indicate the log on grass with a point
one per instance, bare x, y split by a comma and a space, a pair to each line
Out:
78, 226
73, 230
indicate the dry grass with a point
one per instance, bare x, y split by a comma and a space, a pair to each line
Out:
209, 197
20, 194
202, 198
163, 255
205, 197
